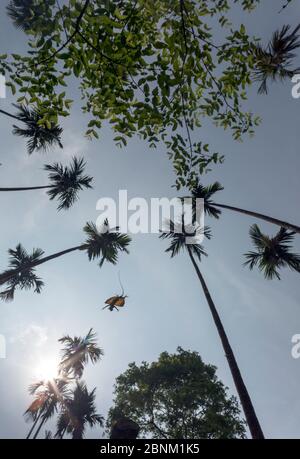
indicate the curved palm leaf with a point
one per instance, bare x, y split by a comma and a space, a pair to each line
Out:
272, 254
40, 137
25, 280
66, 182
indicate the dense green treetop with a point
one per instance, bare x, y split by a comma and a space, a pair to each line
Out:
152, 68
178, 396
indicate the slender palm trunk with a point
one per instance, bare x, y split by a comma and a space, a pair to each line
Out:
245, 399
33, 426
44, 418
27, 188
63, 434
5, 277
274, 221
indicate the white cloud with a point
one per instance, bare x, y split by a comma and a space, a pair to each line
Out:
32, 335
75, 144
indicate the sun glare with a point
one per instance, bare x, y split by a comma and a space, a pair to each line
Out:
47, 369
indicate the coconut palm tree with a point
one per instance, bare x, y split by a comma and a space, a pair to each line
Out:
272, 253
65, 182
77, 352
103, 243
212, 208
78, 413
181, 240
274, 62
41, 137
48, 396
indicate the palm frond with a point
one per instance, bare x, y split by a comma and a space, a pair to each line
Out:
105, 243
206, 193
66, 182
26, 279
183, 236
78, 412
272, 253
275, 61
77, 352
40, 137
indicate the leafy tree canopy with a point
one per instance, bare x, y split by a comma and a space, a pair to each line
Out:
152, 68
178, 397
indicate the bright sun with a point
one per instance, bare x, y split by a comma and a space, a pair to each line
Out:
46, 369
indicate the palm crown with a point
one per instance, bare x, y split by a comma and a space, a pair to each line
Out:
40, 137
48, 395
184, 237
206, 193
66, 182
275, 61
26, 279
77, 352
79, 411
272, 253
105, 243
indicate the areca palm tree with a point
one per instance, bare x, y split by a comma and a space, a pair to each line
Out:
272, 253
78, 413
77, 352
49, 395
274, 62
180, 241
103, 243
212, 208
65, 182
41, 137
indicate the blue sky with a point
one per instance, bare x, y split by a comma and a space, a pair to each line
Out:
166, 307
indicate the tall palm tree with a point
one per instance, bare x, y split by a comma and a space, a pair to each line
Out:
272, 253
212, 208
274, 62
77, 352
79, 412
181, 241
103, 243
65, 182
48, 396
41, 137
